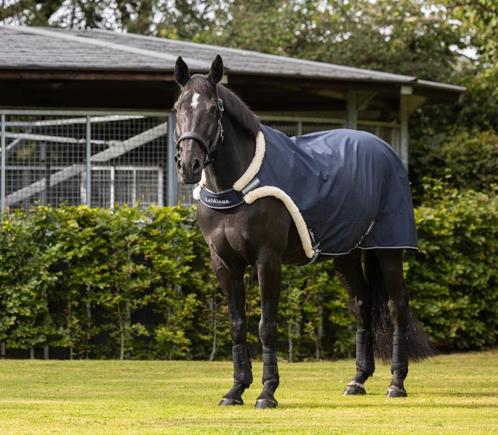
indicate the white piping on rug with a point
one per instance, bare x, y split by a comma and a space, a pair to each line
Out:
255, 164
302, 230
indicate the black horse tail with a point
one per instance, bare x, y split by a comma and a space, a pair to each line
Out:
418, 340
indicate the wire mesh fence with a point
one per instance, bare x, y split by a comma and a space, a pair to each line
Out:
101, 160
107, 159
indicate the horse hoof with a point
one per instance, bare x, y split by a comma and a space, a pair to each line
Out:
355, 389
226, 401
266, 403
394, 391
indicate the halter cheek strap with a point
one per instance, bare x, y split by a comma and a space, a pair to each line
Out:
209, 148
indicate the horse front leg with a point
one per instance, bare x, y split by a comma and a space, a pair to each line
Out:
391, 264
232, 284
269, 275
352, 278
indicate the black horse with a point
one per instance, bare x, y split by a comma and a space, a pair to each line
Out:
216, 138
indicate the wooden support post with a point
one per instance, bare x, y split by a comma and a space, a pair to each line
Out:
171, 167
88, 162
112, 186
404, 113
3, 168
352, 110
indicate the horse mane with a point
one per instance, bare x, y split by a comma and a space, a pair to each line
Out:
235, 108
238, 111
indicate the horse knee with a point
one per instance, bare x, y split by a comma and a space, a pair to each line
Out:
267, 332
398, 310
238, 330
363, 311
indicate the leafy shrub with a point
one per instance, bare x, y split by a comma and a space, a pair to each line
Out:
466, 160
132, 283
454, 277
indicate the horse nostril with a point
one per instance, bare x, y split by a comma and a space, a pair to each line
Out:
178, 165
196, 167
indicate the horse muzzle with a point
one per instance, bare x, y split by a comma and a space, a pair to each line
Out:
189, 172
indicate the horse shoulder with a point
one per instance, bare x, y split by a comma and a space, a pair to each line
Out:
246, 231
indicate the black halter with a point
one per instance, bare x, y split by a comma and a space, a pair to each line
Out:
209, 148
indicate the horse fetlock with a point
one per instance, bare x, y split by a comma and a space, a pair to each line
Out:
365, 363
271, 377
399, 376
399, 364
242, 368
361, 376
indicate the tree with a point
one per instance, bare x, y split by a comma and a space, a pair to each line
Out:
412, 37
133, 16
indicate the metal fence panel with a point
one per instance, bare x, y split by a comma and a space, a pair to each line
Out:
107, 159
100, 159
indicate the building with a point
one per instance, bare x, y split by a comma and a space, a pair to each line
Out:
85, 115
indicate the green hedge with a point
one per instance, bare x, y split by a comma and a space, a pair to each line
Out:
453, 279
132, 283
465, 159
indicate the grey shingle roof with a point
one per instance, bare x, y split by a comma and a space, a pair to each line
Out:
48, 48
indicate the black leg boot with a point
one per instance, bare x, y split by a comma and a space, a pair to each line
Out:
270, 380
242, 376
399, 366
365, 363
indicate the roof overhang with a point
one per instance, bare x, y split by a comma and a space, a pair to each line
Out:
145, 75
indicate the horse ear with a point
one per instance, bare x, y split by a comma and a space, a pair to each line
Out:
182, 73
216, 72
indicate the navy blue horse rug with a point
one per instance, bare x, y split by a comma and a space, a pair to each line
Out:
344, 189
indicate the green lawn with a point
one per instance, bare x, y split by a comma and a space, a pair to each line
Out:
452, 394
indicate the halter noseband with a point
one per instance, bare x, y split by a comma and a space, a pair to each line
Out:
209, 148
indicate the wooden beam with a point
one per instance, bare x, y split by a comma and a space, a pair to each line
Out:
51, 75
330, 93
81, 94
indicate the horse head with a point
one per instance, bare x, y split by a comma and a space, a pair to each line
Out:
198, 119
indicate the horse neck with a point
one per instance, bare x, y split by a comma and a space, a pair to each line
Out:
233, 156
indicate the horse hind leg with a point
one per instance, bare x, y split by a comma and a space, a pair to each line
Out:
391, 264
351, 275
